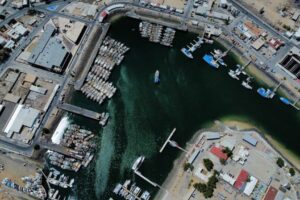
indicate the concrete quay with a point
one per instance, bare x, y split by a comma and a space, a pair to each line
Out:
79, 111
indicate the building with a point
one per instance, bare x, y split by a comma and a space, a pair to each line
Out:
21, 117
72, 30
253, 29
217, 151
212, 136
291, 63
250, 185
271, 193
241, 180
275, 43
47, 48
37, 89
249, 139
257, 44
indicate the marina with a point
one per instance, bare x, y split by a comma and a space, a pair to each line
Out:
187, 51
131, 191
139, 104
157, 33
96, 88
57, 178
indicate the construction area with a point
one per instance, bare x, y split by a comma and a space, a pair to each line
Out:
24, 99
281, 14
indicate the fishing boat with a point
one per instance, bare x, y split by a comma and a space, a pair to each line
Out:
138, 163
285, 101
269, 94
209, 59
156, 77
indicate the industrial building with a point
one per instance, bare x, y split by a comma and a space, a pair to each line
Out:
22, 117
291, 63
47, 48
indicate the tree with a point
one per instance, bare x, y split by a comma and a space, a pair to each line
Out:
46, 131
227, 151
209, 165
280, 162
222, 161
37, 147
201, 187
4, 54
187, 166
292, 171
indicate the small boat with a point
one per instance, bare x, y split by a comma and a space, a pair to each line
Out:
187, 53
145, 195
156, 77
285, 100
138, 163
117, 188
246, 84
269, 94
233, 75
221, 62
209, 59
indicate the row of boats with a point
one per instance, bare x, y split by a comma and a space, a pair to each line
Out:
33, 186
59, 179
77, 141
215, 60
96, 87
157, 33
131, 191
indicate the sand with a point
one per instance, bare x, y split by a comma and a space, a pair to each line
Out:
271, 14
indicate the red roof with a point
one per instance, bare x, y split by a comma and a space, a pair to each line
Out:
241, 179
104, 14
275, 43
271, 194
219, 153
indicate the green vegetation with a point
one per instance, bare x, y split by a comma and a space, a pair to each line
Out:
280, 162
46, 131
187, 166
222, 161
208, 189
4, 54
292, 171
287, 27
209, 165
37, 147
228, 152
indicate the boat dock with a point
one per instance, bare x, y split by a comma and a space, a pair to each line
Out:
79, 111
146, 179
58, 148
157, 33
167, 141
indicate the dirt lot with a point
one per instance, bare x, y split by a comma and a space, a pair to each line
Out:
271, 11
173, 3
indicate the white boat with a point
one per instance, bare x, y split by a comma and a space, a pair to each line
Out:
246, 84
138, 163
233, 75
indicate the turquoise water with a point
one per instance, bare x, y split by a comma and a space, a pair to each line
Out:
190, 95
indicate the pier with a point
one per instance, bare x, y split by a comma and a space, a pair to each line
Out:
58, 148
146, 179
79, 111
167, 141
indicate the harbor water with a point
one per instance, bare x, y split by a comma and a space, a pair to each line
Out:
190, 96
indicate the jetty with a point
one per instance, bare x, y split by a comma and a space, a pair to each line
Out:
167, 141
79, 111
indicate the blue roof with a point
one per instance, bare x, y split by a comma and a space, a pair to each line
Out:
251, 140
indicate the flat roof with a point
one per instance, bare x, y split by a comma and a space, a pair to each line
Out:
271, 194
251, 140
241, 179
218, 152
212, 135
257, 44
22, 116
12, 98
